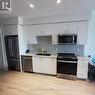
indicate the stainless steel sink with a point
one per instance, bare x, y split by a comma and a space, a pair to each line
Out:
43, 54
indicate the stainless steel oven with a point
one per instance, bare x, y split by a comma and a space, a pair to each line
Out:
66, 65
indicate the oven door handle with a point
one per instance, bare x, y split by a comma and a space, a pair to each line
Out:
66, 61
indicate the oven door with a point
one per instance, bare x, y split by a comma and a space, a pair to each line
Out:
67, 67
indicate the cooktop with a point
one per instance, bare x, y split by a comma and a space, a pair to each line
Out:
67, 56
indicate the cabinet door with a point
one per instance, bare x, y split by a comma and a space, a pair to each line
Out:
44, 65
59, 28
29, 34
65, 28
82, 70
82, 32
10, 30
49, 66
72, 28
47, 28
37, 29
31, 39
38, 64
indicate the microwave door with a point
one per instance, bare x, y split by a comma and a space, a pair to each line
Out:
65, 39
70, 39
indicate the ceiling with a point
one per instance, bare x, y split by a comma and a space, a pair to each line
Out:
48, 7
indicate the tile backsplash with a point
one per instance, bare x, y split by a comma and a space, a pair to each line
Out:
52, 49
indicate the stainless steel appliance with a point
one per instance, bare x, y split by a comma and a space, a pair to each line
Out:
67, 39
67, 65
12, 50
26, 63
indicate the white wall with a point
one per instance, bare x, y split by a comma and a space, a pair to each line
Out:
90, 47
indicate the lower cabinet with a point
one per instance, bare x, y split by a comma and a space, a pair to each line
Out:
26, 63
37, 64
82, 69
45, 65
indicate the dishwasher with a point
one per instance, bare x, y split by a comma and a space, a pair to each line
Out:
26, 63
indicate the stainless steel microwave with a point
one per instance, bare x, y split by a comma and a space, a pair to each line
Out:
67, 39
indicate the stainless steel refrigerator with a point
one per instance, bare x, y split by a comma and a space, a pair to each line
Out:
12, 51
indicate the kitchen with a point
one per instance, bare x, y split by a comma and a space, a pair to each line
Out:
44, 45
40, 50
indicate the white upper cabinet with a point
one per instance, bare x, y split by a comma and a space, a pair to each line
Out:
10, 30
72, 28
33, 30
79, 28
30, 34
82, 32
65, 28
39, 29
47, 28
32, 40
58, 28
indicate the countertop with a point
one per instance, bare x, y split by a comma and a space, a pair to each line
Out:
34, 55
52, 55
83, 57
